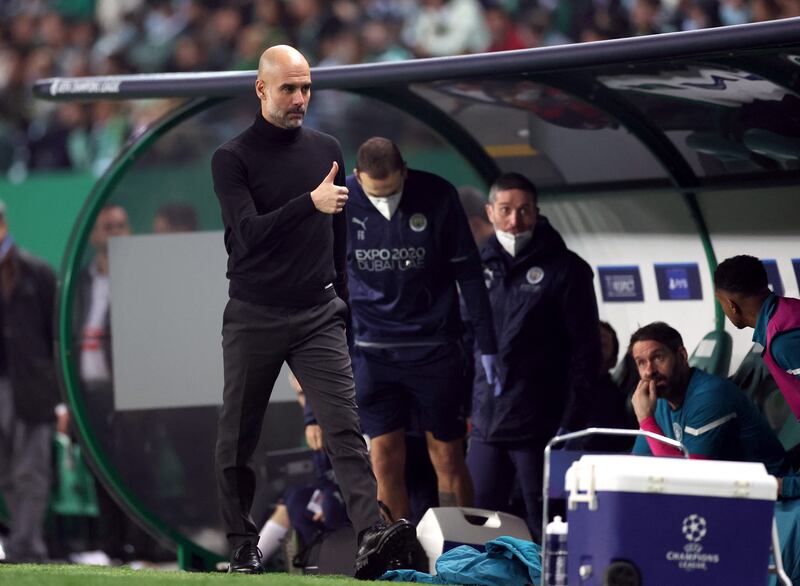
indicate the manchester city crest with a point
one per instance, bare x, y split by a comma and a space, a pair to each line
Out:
534, 275
676, 429
418, 222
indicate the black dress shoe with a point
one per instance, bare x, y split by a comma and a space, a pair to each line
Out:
246, 559
384, 547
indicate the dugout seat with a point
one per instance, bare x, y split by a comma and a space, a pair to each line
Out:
713, 353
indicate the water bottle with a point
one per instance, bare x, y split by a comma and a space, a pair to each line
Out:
555, 571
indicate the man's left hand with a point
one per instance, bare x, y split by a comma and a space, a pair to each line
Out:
314, 436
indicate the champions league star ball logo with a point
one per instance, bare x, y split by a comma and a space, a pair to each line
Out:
418, 222
694, 528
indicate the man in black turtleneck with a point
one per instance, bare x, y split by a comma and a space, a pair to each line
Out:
286, 242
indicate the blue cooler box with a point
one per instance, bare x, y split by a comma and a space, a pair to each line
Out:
672, 521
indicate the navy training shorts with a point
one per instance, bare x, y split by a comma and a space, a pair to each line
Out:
396, 387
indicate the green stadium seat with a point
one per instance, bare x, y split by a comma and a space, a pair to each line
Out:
757, 383
713, 353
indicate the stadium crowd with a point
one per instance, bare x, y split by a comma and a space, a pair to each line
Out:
44, 38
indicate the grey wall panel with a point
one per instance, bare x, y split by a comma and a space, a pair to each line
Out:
167, 336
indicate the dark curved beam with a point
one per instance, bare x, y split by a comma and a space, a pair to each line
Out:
451, 131
544, 59
584, 86
680, 172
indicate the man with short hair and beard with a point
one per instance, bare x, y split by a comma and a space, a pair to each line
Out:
281, 191
708, 414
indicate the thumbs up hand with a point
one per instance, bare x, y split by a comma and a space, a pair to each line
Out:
327, 197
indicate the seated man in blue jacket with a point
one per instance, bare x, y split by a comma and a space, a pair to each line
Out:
549, 356
712, 417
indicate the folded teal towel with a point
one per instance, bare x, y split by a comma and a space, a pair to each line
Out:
508, 561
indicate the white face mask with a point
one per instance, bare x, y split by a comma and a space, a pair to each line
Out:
513, 243
387, 206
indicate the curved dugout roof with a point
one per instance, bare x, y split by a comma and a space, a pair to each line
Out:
701, 109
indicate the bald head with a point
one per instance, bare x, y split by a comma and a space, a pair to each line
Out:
283, 86
280, 57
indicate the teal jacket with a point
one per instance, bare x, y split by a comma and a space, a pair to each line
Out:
508, 561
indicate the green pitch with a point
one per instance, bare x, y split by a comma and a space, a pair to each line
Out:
53, 575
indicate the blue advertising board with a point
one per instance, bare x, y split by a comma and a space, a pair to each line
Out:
678, 281
773, 275
619, 284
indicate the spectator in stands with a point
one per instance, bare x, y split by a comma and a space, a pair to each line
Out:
447, 27
109, 37
28, 395
734, 12
764, 10
175, 217
380, 42
545, 313
742, 288
707, 413
307, 19
223, 32
249, 46
702, 14
189, 56
52, 143
645, 17
789, 8
94, 300
109, 132
269, 17
504, 33
609, 16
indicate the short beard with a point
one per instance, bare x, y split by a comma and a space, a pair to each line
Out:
676, 387
282, 119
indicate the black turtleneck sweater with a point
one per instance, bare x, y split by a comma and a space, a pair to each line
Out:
282, 251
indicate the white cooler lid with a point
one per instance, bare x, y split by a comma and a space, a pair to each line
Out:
644, 474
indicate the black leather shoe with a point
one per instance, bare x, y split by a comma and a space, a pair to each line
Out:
384, 547
246, 559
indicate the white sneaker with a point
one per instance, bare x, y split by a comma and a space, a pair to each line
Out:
90, 558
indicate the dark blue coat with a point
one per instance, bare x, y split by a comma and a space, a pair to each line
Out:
545, 315
403, 272
28, 300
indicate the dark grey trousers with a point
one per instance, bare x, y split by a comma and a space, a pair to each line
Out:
256, 340
25, 477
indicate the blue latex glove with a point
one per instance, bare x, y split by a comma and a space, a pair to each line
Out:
492, 370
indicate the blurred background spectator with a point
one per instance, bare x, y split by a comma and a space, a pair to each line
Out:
44, 38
